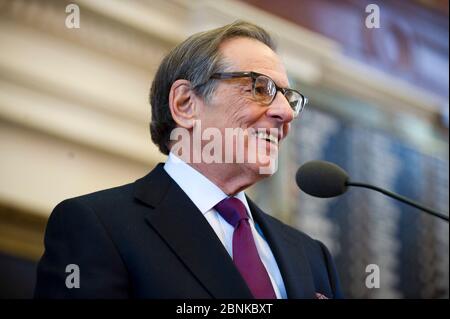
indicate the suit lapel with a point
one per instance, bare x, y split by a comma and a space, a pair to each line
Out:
289, 254
181, 225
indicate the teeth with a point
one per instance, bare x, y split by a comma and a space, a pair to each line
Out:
264, 135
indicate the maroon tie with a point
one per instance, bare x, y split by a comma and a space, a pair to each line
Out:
245, 254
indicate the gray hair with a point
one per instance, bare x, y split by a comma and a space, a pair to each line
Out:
196, 59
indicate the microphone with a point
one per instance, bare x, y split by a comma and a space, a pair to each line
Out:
324, 179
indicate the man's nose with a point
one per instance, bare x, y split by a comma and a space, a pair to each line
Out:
280, 109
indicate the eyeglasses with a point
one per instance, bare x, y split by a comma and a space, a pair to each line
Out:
264, 89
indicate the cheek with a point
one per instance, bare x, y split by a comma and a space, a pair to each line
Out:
237, 112
246, 112
234, 109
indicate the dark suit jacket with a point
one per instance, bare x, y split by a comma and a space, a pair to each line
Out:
148, 240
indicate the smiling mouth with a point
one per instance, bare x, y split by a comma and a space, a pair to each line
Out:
271, 138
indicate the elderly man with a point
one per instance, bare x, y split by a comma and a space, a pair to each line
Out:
187, 230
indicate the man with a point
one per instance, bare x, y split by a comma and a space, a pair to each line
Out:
187, 230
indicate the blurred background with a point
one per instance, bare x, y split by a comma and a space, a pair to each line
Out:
74, 118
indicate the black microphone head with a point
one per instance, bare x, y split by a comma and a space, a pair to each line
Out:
322, 179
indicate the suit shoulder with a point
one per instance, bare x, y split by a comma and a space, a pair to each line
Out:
109, 197
122, 192
99, 202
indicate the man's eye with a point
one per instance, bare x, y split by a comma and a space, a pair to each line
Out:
261, 90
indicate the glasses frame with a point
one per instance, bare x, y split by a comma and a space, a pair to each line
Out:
254, 76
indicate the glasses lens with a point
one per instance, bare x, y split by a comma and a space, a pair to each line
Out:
296, 101
264, 89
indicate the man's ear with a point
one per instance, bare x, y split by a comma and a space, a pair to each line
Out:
182, 103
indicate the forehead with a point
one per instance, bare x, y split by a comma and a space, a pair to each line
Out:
245, 54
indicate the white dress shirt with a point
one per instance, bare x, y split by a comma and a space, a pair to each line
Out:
205, 195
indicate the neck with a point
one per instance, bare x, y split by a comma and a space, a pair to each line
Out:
230, 178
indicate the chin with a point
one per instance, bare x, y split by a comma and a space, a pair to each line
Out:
267, 162
265, 166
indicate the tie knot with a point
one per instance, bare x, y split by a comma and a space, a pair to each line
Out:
232, 210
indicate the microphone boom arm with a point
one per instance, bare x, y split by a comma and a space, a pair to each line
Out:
400, 198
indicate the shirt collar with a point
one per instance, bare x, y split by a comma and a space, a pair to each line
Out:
202, 192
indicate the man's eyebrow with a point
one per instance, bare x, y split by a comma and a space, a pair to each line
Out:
243, 80
288, 86
278, 82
